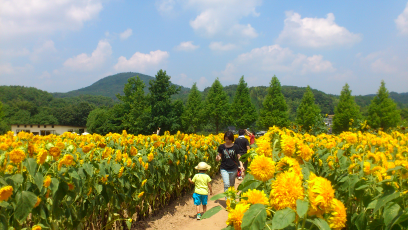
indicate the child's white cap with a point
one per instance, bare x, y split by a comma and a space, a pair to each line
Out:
202, 166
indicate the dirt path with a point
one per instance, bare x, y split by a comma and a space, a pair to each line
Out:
181, 214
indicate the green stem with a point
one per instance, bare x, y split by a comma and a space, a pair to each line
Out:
304, 222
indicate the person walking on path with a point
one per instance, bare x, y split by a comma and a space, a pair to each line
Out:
251, 136
229, 154
243, 144
202, 184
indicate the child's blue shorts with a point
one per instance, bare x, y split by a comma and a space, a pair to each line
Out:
200, 199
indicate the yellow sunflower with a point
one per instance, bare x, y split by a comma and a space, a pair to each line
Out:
254, 197
262, 168
235, 216
286, 189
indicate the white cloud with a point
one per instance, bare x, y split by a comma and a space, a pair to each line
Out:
46, 48
383, 62
202, 83
126, 34
183, 80
6, 68
165, 6
222, 17
315, 32
21, 17
219, 46
269, 60
45, 75
15, 53
84, 62
402, 21
186, 46
9, 69
141, 62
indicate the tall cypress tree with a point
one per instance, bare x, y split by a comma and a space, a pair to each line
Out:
192, 116
345, 111
161, 107
382, 112
307, 111
243, 112
217, 106
275, 110
136, 106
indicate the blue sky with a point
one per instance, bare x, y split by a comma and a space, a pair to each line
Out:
65, 45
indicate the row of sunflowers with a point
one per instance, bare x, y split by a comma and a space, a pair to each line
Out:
93, 181
355, 180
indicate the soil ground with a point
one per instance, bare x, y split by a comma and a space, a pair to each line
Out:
181, 214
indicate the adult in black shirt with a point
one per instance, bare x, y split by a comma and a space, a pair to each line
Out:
243, 144
229, 154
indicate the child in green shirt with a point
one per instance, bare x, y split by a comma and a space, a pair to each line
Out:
202, 184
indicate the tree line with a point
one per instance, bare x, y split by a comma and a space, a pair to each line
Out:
142, 109
143, 113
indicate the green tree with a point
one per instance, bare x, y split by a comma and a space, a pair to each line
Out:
136, 105
192, 116
176, 115
97, 120
161, 90
243, 112
274, 111
216, 108
43, 118
307, 112
3, 123
382, 112
21, 117
346, 112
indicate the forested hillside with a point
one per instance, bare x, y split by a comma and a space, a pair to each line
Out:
112, 85
24, 105
28, 105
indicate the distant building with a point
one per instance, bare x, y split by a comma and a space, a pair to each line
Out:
43, 130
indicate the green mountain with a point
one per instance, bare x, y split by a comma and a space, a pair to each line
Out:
112, 85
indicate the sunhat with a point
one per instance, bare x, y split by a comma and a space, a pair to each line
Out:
202, 166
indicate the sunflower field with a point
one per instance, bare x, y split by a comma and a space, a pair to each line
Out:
93, 181
355, 180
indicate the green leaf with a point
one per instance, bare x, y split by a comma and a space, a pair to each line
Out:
362, 187
3, 222
211, 212
283, 218
391, 212
115, 168
301, 207
54, 185
31, 166
228, 228
361, 221
25, 203
99, 188
39, 180
4, 204
16, 180
320, 223
254, 218
58, 197
372, 204
394, 169
88, 169
128, 224
384, 200
218, 196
